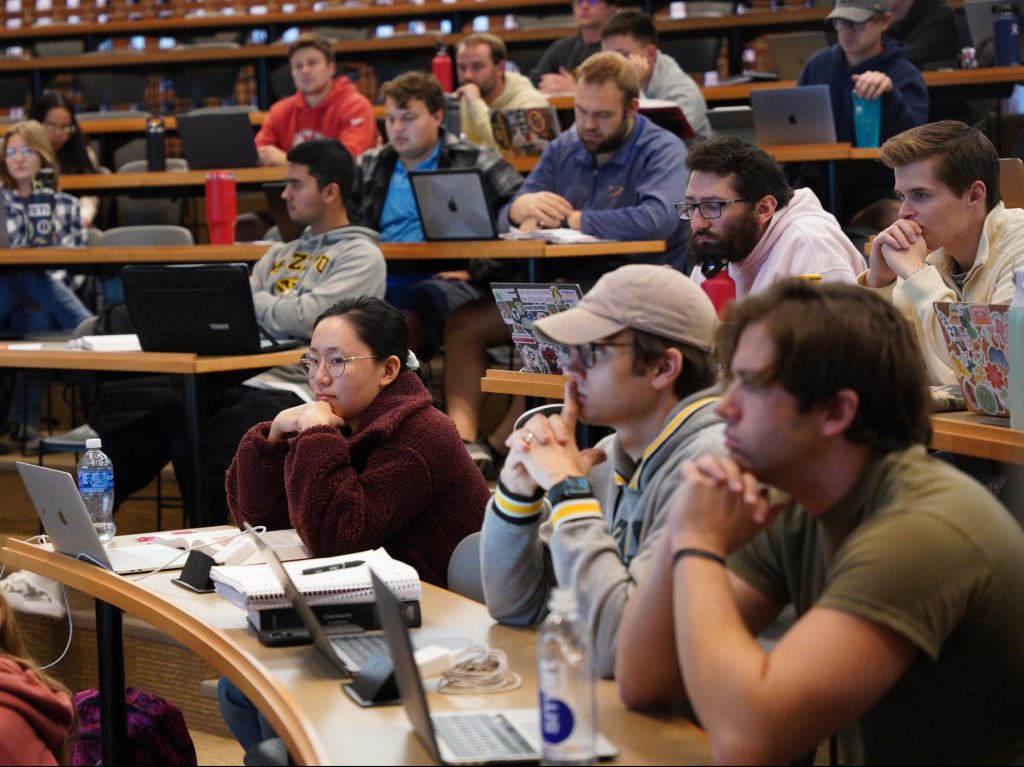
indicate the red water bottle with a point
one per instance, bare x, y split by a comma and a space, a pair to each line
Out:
221, 206
441, 66
720, 287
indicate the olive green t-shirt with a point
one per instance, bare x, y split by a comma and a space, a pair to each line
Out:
919, 547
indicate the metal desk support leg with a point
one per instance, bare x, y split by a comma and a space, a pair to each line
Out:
195, 500
110, 642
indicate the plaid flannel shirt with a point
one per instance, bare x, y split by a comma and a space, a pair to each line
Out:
67, 229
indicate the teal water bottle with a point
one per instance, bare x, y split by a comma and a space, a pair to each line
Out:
1017, 353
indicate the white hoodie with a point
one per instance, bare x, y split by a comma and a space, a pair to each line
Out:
802, 238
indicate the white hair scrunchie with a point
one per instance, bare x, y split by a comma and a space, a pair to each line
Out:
411, 361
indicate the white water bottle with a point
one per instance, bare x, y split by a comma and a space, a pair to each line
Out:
1017, 353
96, 484
565, 680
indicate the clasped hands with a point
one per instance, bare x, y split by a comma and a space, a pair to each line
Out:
543, 210
302, 417
544, 452
897, 251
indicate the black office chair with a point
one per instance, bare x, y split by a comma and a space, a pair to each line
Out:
104, 89
694, 55
196, 84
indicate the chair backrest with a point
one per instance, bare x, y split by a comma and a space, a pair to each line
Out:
104, 88
694, 54
464, 569
124, 114
225, 109
146, 235
176, 164
70, 47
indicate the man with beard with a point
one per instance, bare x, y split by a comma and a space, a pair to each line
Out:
743, 212
614, 175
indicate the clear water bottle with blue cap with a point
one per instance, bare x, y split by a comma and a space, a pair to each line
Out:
96, 484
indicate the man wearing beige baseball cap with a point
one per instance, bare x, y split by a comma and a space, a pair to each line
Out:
640, 363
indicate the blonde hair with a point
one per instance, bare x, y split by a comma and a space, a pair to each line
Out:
12, 647
607, 65
34, 134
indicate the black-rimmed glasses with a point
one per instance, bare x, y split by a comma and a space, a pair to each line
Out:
590, 354
709, 209
335, 364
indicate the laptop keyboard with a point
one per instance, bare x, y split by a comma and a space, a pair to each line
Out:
484, 735
360, 647
142, 557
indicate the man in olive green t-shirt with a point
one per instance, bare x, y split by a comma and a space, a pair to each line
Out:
906, 575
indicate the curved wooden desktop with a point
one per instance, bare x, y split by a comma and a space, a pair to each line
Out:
297, 692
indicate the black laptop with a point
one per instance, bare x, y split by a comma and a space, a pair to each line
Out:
201, 309
217, 140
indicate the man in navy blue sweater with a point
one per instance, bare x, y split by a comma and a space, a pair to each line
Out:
866, 64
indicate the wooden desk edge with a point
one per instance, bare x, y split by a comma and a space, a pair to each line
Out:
210, 644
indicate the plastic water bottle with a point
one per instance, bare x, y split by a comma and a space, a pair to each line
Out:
565, 681
1017, 354
96, 484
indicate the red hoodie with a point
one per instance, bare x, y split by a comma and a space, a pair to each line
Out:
344, 114
33, 718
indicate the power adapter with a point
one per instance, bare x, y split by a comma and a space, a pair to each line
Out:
434, 660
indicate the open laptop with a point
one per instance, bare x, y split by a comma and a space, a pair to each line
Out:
346, 648
977, 340
801, 115
981, 16
734, 121
66, 520
460, 737
217, 140
520, 305
524, 131
791, 50
196, 308
453, 204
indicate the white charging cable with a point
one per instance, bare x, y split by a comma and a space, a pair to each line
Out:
477, 669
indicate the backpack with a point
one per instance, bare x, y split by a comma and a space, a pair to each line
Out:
157, 733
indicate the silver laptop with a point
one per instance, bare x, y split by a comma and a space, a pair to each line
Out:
801, 115
790, 51
453, 204
510, 736
346, 648
737, 122
66, 521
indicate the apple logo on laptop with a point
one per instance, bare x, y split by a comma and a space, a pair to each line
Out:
60, 516
452, 205
792, 119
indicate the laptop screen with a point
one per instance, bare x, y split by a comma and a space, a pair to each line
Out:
453, 204
218, 140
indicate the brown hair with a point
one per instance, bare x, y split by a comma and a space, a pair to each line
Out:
699, 368
414, 85
631, 22
605, 66
829, 337
35, 137
12, 647
309, 40
499, 52
962, 155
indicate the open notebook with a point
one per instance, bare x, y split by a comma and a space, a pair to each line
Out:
255, 587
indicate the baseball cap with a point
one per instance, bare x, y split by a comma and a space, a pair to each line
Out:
858, 10
655, 299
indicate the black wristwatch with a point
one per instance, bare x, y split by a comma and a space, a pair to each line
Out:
568, 488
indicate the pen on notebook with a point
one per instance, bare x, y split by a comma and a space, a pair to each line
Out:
337, 566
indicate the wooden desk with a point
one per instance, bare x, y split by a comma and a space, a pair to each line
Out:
55, 356
124, 182
103, 126
298, 693
140, 254
962, 433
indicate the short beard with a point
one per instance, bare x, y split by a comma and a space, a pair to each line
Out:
735, 244
612, 142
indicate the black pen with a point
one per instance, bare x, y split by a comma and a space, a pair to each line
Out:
336, 566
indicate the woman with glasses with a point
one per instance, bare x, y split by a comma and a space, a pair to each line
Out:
370, 462
36, 216
70, 145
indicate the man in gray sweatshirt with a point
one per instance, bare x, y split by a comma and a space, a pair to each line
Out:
640, 363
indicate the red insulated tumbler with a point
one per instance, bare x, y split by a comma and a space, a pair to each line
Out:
221, 206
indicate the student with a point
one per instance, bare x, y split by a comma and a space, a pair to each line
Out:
382, 199
866, 64
631, 33
954, 240
742, 212
33, 301
615, 175
485, 84
370, 462
322, 107
37, 716
292, 284
554, 71
640, 351
70, 145
906, 575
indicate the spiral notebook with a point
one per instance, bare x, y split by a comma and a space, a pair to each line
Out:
255, 587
